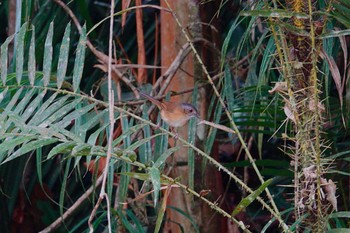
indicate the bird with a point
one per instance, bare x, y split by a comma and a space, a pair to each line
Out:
173, 113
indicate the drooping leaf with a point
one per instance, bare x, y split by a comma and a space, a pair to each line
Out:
154, 175
146, 148
61, 148
161, 160
245, 202
33, 145
162, 209
191, 139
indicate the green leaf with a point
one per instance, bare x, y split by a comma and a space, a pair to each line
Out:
138, 143
67, 120
136, 175
125, 222
61, 149
272, 220
3, 94
161, 160
226, 43
64, 185
339, 230
63, 57
127, 133
161, 212
39, 169
10, 143
33, 145
43, 111
340, 214
212, 131
4, 59
274, 13
14, 100
135, 221
59, 113
31, 61
81, 149
250, 198
34, 104
93, 137
23, 103
192, 126
20, 53
228, 88
154, 175
124, 180
338, 33
186, 215
145, 154
48, 51
79, 60
91, 122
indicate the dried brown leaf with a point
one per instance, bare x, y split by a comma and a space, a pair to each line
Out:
310, 172
125, 5
312, 106
330, 189
289, 113
141, 55
279, 87
345, 53
335, 74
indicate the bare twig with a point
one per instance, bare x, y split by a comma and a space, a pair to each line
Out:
141, 55
100, 56
275, 212
221, 127
103, 194
53, 226
166, 78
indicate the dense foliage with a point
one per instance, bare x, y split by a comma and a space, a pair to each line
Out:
277, 112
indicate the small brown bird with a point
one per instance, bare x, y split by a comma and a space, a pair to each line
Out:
174, 114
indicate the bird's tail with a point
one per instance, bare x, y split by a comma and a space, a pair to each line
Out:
150, 98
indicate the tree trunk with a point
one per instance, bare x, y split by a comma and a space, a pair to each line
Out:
172, 39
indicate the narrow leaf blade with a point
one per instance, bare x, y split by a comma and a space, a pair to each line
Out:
79, 60
31, 61
4, 58
48, 56
63, 58
20, 52
155, 178
250, 198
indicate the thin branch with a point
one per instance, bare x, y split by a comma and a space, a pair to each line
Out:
100, 56
166, 78
141, 55
219, 166
53, 226
221, 127
103, 194
229, 116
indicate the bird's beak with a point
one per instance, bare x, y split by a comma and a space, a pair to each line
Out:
197, 115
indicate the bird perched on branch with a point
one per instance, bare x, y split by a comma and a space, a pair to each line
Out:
173, 113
